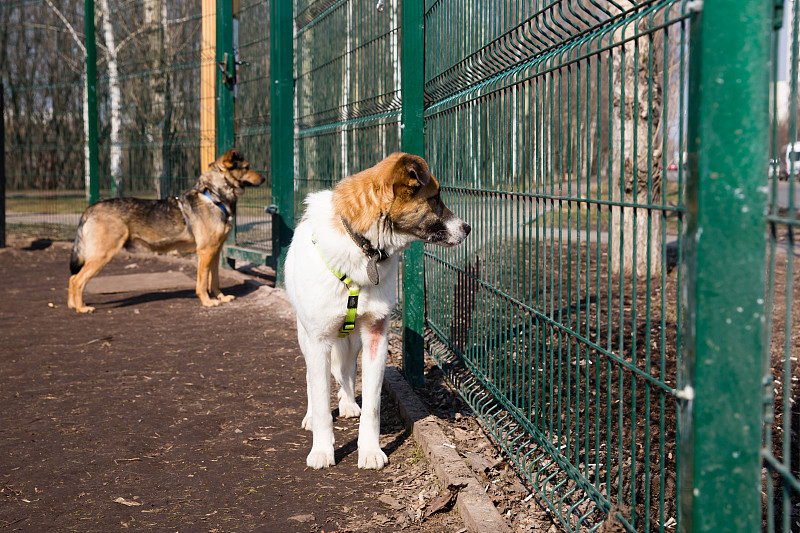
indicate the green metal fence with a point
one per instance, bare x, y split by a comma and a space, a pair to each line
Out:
152, 148
347, 90
44, 138
560, 315
252, 127
147, 110
781, 371
621, 319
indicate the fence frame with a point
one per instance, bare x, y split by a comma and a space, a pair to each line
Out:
719, 417
90, 43
412, 140
283, 130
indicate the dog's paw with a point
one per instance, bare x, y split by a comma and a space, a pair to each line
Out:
320, 458
372, 458
306, 424
85, 309
225, 298
349, 409
211, 303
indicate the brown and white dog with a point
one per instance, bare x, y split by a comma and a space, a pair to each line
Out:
199, 221
350, 239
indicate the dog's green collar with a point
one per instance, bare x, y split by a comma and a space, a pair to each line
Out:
352, 298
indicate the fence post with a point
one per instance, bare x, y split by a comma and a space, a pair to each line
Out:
91, 97
225, 68
725, 254
282, 128
208, 84
412, 138
2, 167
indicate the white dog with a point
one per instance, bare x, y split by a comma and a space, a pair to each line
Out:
341, 277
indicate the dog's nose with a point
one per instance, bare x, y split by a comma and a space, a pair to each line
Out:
466, 227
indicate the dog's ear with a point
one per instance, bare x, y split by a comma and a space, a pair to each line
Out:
229, 159
410, 173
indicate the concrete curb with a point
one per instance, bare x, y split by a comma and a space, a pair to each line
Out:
476, 509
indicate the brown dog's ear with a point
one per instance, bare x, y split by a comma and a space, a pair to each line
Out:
410, 173
229, 159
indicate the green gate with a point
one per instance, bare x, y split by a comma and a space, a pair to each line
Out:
251, 239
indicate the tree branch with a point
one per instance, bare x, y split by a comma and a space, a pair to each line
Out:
68, 25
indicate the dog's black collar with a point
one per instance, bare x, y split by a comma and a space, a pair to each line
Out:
375, 256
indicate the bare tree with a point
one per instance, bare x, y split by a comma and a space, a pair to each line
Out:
157, 124
111, 51
85, 114
635, 156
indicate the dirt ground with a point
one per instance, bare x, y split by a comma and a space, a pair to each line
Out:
155, 414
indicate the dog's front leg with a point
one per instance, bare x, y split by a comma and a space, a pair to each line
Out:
318, 376
214, 280
373, 364
205, 256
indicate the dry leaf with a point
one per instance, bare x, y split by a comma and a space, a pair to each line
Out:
445, 501
129, 503
391, 502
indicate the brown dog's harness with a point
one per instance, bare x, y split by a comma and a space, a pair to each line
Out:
218, 204
185, 216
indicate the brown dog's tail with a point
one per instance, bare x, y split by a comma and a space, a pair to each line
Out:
76, 260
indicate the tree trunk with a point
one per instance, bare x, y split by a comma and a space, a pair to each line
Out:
635, 232
87, 174
115, 111
79, 43
158, 119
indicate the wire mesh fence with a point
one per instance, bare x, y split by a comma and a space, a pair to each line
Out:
347, 89
252, 120
563, 305
44, 138
148, 92
781, 451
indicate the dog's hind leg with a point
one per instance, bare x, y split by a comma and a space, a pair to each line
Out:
373, 364
343, 366
101, 244
318, 383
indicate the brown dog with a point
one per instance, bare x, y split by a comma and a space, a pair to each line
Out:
199, 221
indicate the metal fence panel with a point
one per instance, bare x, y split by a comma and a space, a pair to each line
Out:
346, 88
148, 96
781, 371
252, 124
43, 81
559, 317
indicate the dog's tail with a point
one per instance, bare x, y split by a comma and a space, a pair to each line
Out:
76, 260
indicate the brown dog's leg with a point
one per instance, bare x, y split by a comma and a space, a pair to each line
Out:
101, 245
77, 282
205, 258
214, 281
